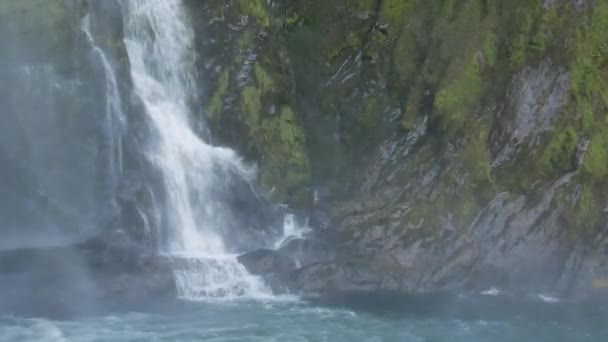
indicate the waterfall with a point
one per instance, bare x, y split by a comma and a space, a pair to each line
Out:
159, 43
115, 118
292, 230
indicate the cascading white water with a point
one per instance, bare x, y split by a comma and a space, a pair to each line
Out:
159, 42
292, 230
116, 121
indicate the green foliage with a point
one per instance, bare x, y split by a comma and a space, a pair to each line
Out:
251, 104
589, 74
490, 49
263, 79
596, 160
285, 164
394, 11
522, 39
450, 60
455, 101
217, 100
278, 137
590, 87
257, 9
371, 116
405, 57
558, 155
476, 155
361, 5
583, 212
352, 43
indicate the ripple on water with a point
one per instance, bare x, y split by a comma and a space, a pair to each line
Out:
30, 330
254, 321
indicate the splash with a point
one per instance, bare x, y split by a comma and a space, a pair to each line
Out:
291, 230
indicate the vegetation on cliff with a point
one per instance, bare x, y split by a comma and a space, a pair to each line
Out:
512, 93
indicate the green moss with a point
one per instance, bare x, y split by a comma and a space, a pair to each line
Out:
408, 122
251, 106
455, 101
264, 81
293, 19
217, 100
550, 21
531, 28
490, 49
596, 160
361, 5
279, 139
257, 9
352, 43
558, 155
406, 63
589, 69
476, 155
371, 117
523, 15
285, 165
289, 132
583, 217
394, 11
455, 198
413, 107
590, 88
243, 44
244, 41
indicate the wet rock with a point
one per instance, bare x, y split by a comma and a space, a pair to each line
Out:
581, 151
120, 265
343, 277
536, 99
254, 219
69, 278
265, 262
303, 252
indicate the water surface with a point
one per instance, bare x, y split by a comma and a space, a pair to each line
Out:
468, 320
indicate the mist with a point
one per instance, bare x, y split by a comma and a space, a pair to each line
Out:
253, 170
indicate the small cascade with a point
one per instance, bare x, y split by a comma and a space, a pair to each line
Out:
115, 118
216, 276
193, 235
292, 230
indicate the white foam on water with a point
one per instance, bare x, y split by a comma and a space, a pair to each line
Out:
491, 292
39, 330
548, 299
47, 331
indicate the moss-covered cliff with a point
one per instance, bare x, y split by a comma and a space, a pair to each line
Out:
511, 88
425, 115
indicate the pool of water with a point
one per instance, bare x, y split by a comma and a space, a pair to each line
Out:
460, 319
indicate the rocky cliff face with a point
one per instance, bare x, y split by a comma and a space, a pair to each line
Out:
443, 145
456, 144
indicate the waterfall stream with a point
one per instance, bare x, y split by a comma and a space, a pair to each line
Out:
115, 118
159, 43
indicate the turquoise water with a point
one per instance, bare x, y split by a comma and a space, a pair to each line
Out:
301, 321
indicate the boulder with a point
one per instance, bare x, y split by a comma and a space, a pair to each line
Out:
266, 261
